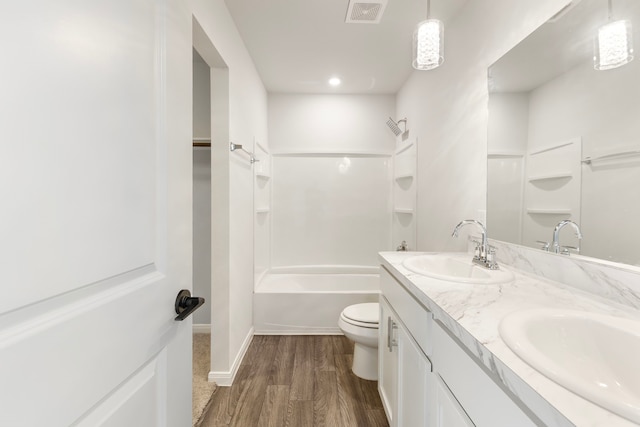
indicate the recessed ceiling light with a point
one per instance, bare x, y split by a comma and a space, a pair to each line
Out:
334, 81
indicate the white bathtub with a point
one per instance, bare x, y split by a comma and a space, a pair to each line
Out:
309, 300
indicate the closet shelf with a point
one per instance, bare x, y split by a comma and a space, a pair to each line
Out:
537, 211
407, 211
550, 176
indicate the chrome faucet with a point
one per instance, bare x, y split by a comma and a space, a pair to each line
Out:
484, 254
555, 244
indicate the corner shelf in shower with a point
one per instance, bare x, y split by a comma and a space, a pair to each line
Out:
403, 176
549, 211
263, 175
406, 211
550, 176
263, 210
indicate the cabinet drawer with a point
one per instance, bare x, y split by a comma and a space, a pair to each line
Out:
413, 315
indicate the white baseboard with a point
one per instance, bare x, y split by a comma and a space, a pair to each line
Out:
225, 378
201, 328
299, 331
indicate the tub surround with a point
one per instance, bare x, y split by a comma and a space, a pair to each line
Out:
472, 313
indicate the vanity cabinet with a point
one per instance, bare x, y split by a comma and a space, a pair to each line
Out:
426, 378
404, 372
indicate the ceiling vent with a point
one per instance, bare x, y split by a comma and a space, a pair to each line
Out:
360, 12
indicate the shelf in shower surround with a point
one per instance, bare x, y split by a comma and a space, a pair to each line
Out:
263, 175
549, 211
550, 176
263, 210
407, 211
404, 176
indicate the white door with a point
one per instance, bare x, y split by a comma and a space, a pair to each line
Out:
95, 217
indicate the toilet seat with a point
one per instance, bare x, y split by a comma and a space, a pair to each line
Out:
362, 315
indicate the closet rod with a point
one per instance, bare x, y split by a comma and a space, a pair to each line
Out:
202, 142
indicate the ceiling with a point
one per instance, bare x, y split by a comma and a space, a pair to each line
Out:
297, 45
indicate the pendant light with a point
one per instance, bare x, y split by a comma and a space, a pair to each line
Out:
613, 45
428, 43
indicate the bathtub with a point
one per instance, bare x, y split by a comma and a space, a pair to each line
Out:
308, 300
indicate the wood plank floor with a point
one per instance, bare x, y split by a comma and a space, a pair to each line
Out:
297, 381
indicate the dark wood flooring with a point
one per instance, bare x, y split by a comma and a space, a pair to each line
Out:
297, 381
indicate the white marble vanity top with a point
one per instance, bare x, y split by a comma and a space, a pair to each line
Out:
472, 314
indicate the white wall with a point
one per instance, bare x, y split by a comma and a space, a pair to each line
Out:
447, 111
330, 123
247, 120
201, 98
328, 208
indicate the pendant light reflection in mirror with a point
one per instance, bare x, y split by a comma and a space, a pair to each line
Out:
613, 45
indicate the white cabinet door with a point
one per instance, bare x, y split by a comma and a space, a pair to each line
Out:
446, 411
414, 373
388, 362
95, 181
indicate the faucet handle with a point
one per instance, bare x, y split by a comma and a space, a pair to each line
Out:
545, 245
477, 252
491, 258
566, 250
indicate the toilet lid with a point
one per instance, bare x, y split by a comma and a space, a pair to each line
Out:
365, 313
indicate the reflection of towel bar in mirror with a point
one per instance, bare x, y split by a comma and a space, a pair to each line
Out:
234, 147
633, 153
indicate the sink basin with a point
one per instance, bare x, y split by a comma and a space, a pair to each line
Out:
594, 356
455, 267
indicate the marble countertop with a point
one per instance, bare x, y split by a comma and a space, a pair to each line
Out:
473, 312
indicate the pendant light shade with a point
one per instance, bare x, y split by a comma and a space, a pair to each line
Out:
613, 46
428, 45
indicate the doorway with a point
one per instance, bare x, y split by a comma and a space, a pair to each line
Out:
210, 213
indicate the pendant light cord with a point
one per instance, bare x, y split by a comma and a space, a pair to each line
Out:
610, 9
429, 8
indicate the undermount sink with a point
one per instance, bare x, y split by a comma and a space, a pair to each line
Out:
595, 356
455, 267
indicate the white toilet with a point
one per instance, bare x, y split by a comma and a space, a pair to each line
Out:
359, 323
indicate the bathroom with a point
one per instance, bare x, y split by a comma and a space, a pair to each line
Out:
265, 225
305, 244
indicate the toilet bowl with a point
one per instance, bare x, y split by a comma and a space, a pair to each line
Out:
359, 323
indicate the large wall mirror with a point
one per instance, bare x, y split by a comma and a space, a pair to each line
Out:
564, 138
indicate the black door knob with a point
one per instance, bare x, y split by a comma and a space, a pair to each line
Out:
186, 304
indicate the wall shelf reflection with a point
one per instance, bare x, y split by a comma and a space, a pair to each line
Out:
549, 211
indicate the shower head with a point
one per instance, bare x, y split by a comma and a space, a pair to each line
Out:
394, 126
